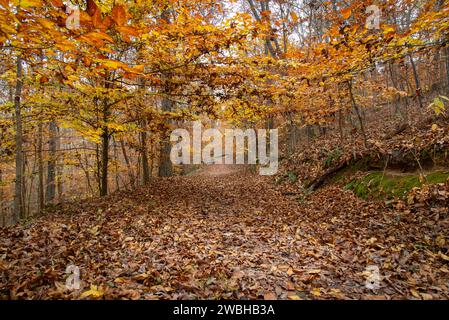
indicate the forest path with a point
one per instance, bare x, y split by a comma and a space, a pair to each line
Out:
219, 170
220, 233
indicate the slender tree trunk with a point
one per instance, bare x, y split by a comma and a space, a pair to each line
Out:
117, 180
28, 192
144, 152
104, 162
417, 82
40, 169
98, 166
51, 165
359, 115
18, 191
84, 165
132, 179
59, 168
340, 125
165, 166
292, 135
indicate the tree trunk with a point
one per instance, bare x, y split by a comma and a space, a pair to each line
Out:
40, 169
417, 82
18, 191
117, 177
144, 153
165, 166
59, 168
51, 165
132, 180
341, 125
104, 162
359, 115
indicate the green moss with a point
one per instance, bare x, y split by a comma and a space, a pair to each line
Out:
354, 167
377, 186
292, 177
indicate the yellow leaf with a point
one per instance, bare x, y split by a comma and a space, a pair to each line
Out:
441, 241
415, 293
111, 64
314, 271
426, 296
444, 257
316, 292
388, 30
434, 127
31, 3
46, 23
294, 297
94, 292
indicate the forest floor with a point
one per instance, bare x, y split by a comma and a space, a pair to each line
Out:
226, 233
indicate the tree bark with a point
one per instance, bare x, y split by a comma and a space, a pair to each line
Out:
144, 152
165, 167
104, 161
40, 169
51, 165
132, 180
18, 191
417, 82
359, 115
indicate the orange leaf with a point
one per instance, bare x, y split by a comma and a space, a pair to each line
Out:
119, 15
4, 3
57, 3
346, 13
295, 17
97, 20
269, 296
98, 36
106, 23
131, 31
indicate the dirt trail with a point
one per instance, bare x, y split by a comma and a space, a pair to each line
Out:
221, 233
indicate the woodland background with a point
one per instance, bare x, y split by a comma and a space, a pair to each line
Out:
86, 112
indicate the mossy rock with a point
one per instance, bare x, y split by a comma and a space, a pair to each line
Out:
376, 185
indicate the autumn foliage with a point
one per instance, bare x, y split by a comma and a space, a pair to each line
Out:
90, 91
